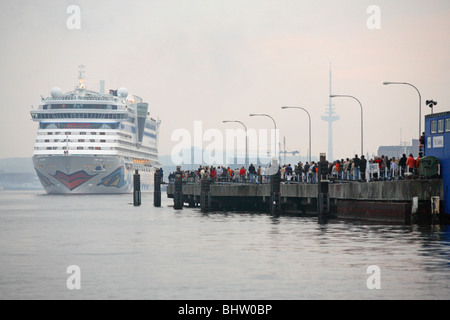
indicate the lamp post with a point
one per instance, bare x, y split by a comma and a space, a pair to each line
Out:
362, 125
309, 116
275, 124
246, 139
420, 101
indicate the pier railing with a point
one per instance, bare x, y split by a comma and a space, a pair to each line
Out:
373, 173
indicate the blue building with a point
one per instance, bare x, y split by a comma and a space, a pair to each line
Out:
437, 144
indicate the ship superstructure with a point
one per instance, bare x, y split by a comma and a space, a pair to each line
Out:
92, 142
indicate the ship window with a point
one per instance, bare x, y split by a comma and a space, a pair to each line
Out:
80, 148
441, 125
433, 126
102, 140
447, 125
80, 140
82, 133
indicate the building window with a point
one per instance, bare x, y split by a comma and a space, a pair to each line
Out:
447, 125
433, 126
441, 126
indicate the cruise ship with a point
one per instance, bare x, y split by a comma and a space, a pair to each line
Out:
93, 142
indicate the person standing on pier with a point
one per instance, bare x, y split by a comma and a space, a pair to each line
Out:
410, 163
252, 172
236, 175
356, 163
306, 171
242, 174
362, 167
402, 165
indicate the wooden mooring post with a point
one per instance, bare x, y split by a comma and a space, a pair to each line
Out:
157, 189
178, 192
323, 196
205, 199
137, 189
275, 193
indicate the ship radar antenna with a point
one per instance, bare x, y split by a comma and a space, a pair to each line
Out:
81, 77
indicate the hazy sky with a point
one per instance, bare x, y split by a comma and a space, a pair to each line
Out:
211, 60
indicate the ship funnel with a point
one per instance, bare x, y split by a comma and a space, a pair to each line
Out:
141, 111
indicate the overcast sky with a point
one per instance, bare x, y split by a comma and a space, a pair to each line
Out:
214, 60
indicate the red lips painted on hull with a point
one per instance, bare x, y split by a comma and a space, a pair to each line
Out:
73, 180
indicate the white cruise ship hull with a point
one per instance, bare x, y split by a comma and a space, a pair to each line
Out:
87, 174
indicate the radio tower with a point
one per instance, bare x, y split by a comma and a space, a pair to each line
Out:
330, 116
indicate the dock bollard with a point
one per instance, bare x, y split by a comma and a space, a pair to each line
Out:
275, 193
205, 186
157, 189
137, 189
178, 192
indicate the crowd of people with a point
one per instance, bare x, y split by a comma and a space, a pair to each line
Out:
356, 169
224, 174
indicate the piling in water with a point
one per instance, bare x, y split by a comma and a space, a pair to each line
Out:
178, 192
157, 189
137, 189
275, 193
323, 196
205, 201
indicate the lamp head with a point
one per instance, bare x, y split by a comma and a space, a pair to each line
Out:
431, 103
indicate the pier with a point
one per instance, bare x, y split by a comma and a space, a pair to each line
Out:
400, 202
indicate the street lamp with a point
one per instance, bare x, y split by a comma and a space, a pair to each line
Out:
246, 139
309, 116
362, 125
275, 124
420, 101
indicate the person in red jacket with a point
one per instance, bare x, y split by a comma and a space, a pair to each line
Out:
213, 174
242, 174
410, 163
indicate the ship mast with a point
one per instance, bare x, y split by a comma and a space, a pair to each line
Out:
81, 78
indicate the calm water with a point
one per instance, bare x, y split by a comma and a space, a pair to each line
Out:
127, 252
